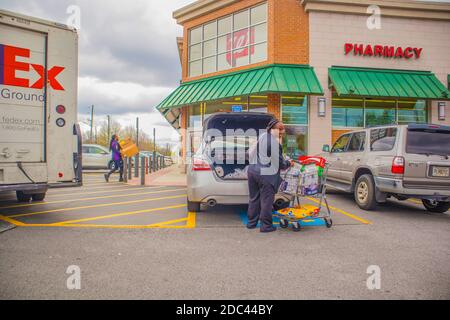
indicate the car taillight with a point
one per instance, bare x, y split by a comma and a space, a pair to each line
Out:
398, 165
200, 165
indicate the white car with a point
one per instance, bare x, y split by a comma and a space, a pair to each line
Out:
96, 157
226, 183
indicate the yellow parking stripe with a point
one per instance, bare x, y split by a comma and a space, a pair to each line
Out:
344, 212
87, 199
101, 183
104, 187
191, 220
12, 221
106, 226
96, 206
102, 191
118, 215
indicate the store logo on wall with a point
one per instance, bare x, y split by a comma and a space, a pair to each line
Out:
9, 64
383, 51
240, 39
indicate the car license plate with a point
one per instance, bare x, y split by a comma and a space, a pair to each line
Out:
441, 172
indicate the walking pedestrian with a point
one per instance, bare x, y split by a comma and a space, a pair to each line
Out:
114, 147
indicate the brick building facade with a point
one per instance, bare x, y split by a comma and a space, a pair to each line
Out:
227, 40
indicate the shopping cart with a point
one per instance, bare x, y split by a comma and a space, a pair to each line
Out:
305, 178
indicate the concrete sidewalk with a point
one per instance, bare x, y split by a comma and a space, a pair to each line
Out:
171, 176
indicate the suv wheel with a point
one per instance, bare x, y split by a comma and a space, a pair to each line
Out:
436, 206
365, 192
193, 206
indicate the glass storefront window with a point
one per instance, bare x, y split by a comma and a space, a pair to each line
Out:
236, 40
348, 112
258, 104
412, 111
295, 141
295, 110
195, 117
380, 112
225, 105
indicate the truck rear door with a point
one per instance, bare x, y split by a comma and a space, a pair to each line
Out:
22, 99
427, 157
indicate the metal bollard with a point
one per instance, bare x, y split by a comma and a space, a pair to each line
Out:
125, 169
146, 165
150, 165
136, 166
129, 168
142, 171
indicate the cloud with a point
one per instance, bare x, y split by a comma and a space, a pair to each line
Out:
128, 58
115, 98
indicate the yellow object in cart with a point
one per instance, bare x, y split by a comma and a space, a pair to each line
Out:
299, 212
129, 148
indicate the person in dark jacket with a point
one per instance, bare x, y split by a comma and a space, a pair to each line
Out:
266, 162
114, 147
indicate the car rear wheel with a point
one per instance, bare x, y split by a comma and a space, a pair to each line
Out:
365, 192
112, 165
193, 206
436, 206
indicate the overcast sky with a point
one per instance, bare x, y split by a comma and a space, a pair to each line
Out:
128, 55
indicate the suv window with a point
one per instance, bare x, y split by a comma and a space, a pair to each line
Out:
357, 142
382, 139
341, 144
85, 150
428, 142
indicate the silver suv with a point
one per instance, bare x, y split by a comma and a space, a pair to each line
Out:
401, 161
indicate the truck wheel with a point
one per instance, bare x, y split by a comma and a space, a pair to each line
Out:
22, 197
436, 206
365, 192
193, 206
38, 196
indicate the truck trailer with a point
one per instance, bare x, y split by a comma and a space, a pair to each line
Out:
40, 140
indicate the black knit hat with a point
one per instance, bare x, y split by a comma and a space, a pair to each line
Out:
272, 124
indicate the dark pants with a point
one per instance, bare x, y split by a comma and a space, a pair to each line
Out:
118, 165
262, 196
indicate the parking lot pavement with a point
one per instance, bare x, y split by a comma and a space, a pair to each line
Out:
140, 242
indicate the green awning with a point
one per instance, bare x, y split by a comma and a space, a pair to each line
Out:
299, 79
386, 83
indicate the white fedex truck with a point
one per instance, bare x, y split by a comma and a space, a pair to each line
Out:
40, 143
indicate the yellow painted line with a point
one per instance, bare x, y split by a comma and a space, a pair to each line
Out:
165, 223
344, 212
415, 201
101, 183
104, 226
191, 220
96, 206
104, 187
87, 199
119, 215
12, 221
102, 191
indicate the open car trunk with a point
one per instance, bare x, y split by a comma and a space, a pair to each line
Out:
228, 137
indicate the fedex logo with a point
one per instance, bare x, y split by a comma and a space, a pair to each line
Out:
9, 65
